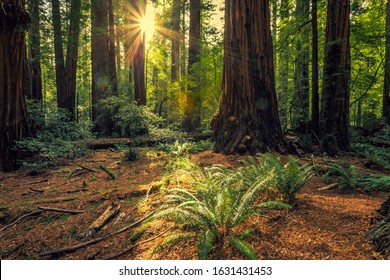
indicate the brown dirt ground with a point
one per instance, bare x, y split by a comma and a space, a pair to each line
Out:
323, 225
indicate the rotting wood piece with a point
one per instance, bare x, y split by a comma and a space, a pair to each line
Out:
110, 212
105, 169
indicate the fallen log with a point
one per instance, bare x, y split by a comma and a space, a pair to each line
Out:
61, 210
110, 212
105, 169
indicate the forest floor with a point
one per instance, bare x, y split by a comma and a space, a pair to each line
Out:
325, 224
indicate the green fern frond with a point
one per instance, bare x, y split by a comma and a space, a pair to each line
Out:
205, 243
243, 247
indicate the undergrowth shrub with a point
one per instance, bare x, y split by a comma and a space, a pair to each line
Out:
53, 136
347, 176
377, 156
376, 183
131, 154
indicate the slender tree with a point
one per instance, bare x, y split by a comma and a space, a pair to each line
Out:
66, 71
13, 121
175, 49
315, 115
34, 52
247, 119
335, 92
301, 98
112, 52
192, 114
386, 89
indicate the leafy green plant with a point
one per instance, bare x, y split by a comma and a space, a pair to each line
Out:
216, 208
376, 183
289, 177
347, 175
131, 154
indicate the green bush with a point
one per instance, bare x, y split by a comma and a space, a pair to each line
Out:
347, 175
376, 183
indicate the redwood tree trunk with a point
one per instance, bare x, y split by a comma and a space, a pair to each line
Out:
335, 95
247, 119
34, 52
301, 99
386, 90
192, 114
176, 8
101, 84
111, 31
13, 121
315, 115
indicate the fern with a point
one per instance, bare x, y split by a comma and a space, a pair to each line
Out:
347, 175
217, 205
205, 243
243, 248
376, 183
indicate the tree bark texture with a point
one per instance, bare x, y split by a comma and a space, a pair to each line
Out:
101, 82
34, 52
301, 98
175, 49
315, 101
336, 77
247, 119
192, 114
13, 121
112, 36
386, 89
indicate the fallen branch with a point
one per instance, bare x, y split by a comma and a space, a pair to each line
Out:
20, 218
94, 241
110, 212
136, 245
61, 210
86, 168
37, 182
105, 169
328, 187
36, 190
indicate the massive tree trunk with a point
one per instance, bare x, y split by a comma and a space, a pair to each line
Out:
247, 119
34, 52
66, 72
315, 115
175, 49
13, 121
101, 82
335, 95
386, 90
192, 114
301, 99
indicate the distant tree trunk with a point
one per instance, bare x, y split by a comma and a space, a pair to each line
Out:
66, 72
13, 121
175, 49
284, 64
101, 85
139, 57
34, 52
59, 55
315, 115
192, 115
69, 102
301, 99
247, 119
335, 95
111, 31
386, 90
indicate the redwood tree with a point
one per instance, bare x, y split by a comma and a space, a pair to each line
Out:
34, 52
247, 119
386, 90
335, 92
13, 122
315, 115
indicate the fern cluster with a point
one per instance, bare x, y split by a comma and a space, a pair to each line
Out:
347, 175
216, 207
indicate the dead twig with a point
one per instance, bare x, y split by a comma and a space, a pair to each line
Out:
105, 169
61, 210
36, 190
139, 243
94, 241
22, 217
86, 168
38, 182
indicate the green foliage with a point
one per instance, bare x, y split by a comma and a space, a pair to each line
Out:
290, 177
217, 206
376, 155
347, 175
53, 136
376, 183
131, 154
243, 248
